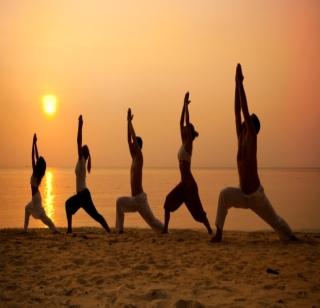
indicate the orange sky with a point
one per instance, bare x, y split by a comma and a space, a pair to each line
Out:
100, 57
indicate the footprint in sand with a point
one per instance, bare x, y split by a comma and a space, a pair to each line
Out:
154, 294
78, 261
141, 267
82, 281
98, 280
182, 303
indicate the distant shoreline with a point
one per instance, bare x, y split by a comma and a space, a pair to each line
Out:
167, 168
201, 230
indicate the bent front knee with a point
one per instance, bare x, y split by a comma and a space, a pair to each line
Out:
225, 192
119, 204
225, 195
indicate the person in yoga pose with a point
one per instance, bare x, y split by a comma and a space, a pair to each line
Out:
34, 207
138, 201
82, 199
187, 190
250, 194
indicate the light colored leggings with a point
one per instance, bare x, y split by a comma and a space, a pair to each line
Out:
138, 204
257, 202
41, 215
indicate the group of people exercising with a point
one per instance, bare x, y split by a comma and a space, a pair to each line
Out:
249, 195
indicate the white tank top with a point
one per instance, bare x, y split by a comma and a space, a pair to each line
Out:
183, 155
81, 174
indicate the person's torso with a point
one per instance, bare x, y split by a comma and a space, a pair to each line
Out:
247, 163
80, 171
136, 174
34, 184
184, 158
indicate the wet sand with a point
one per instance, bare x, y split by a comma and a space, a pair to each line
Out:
143, 269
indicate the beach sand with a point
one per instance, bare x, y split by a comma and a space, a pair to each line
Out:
143, 269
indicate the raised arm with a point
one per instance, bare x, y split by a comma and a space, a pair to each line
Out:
36, 149
237, 104
129, 119
184, 113
34, 156
133, 145
182, 116
79, 136
186, 103
243, 102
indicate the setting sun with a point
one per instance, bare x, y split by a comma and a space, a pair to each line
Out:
49, 104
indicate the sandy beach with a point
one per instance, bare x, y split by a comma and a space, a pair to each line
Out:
143, 269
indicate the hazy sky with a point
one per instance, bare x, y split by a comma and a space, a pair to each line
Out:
100, 57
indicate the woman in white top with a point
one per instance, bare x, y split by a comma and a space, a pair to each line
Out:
82, 199
34, 207
187, 190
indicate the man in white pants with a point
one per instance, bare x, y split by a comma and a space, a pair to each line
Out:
251, 194
138, 202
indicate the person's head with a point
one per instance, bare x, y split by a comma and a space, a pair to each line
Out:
85, 151
189, 130
86, 155
255, 121
139, 141
194, 133
40, 168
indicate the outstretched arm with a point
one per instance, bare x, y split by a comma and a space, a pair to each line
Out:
237, 106
243, 102
186, 104
184, 113
79, 136
129, 119
182, 116
34, 148
132, 145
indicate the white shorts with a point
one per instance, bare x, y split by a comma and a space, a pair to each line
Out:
257, 202
138, 203
35, 206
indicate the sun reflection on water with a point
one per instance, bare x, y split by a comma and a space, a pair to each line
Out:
48, 200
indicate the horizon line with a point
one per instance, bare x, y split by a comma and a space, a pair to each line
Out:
167, 167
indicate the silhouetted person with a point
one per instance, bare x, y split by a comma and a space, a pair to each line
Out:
251, 194
83, 197
187, 190
138, 201
34, 207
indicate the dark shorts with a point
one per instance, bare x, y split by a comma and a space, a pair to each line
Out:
81, 200
188, 194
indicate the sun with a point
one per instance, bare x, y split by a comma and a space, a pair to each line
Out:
49, 103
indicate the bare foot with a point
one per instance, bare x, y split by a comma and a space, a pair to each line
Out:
218, 237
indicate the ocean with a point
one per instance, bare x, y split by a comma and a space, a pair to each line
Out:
294, 193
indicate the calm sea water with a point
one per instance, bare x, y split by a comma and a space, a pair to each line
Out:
294, 193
